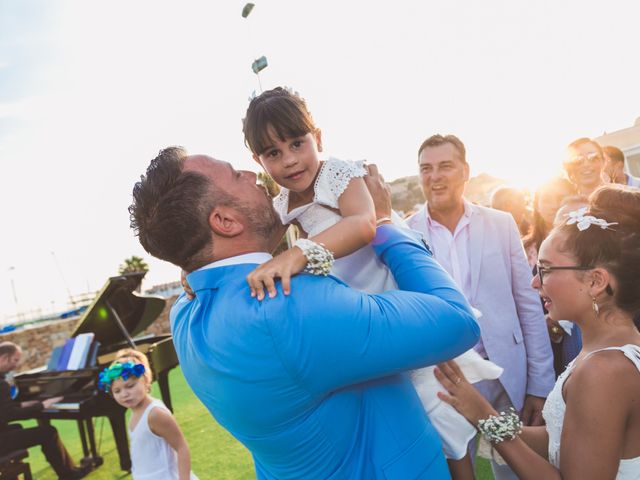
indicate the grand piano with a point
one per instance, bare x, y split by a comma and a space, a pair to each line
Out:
117, 316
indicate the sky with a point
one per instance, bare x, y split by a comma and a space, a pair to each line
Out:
90, 91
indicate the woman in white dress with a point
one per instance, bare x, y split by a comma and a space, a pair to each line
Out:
588, 271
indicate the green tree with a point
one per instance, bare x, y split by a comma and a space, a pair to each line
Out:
268, 182
133, 264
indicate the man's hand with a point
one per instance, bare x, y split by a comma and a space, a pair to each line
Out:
532, 411
380, 192
185, 285
50, 401
29, 403
283, 267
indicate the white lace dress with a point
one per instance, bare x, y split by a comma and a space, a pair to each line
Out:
152, 458
364, 271
554, 408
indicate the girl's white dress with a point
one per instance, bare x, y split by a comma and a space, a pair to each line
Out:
364, 271
554, 408
152, 457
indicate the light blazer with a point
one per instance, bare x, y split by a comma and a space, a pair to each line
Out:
313, 384
513, 328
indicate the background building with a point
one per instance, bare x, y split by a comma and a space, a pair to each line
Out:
627, 140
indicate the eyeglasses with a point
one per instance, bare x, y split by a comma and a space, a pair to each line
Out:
542, 270
579, 159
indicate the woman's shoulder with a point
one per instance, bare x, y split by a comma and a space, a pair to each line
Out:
615, 370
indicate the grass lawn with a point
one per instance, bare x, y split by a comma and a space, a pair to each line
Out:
214, 453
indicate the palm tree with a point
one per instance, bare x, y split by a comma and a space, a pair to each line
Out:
134, 264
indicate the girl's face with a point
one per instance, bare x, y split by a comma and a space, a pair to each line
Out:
292, 163
548, 204
131, 392
565, 292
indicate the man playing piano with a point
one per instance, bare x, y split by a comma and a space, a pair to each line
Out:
14, 437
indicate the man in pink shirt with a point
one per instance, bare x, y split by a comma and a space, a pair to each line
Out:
481, 249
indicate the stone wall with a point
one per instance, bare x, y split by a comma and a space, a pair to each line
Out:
38, 341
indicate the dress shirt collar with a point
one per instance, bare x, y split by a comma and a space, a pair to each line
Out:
255, 257
468, 211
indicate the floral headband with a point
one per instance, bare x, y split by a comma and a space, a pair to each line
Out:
583, 221
119, 370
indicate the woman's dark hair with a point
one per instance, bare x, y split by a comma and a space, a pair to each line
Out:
278, 111
616, 248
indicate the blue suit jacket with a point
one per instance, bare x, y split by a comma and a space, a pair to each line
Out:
313, 384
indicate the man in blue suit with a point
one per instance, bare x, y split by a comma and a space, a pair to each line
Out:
313, 383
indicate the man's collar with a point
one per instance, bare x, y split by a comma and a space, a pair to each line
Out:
468, 210
255, 257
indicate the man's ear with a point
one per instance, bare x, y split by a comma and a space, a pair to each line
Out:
466, 172
318, 135
225, 222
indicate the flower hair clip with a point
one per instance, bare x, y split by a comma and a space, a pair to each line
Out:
583, 221
119, 370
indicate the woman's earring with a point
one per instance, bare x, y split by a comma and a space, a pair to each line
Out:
595, 306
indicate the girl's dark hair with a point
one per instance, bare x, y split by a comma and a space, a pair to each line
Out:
616, 248
281, 110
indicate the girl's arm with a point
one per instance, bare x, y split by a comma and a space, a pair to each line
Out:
164, 425
355, 230
598, 398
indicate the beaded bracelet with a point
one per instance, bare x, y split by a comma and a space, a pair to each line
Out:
319, 258
501, 427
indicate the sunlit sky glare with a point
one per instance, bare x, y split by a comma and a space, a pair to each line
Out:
90, 91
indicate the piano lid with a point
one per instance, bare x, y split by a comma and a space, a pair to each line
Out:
135, 311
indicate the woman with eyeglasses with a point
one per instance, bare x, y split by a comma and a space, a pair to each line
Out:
584, 165
588, 270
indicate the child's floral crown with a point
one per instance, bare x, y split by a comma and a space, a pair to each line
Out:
119, 370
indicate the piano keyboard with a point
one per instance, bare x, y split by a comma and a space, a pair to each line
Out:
65, 406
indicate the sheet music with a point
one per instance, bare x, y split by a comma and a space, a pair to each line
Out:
78, 357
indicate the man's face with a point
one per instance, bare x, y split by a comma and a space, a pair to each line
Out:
614, 170
443, 175
250, 199
10, 362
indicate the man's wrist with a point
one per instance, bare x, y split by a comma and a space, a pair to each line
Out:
383, 221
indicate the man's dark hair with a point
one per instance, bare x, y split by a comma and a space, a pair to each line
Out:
437, 140
614, 153
170, 211
8, 348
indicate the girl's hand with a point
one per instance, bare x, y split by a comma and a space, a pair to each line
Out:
185, 286
461, 394
283, 266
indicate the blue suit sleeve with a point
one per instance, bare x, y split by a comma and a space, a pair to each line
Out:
336, 336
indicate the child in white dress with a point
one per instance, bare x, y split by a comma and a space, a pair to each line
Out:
329, 202
158, 448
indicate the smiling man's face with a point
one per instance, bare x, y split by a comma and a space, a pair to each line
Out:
443, 175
